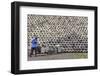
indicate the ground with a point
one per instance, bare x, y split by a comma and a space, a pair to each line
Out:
60, 56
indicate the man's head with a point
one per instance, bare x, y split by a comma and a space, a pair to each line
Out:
36, 38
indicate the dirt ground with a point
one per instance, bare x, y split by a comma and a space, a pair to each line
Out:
60, 56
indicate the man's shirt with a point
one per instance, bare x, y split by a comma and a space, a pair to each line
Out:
34, 43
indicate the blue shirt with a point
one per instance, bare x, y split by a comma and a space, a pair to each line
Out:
34, 43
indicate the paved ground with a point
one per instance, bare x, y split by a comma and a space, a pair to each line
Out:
60, 56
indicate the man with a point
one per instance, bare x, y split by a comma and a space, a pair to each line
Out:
58, 48
34, 46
